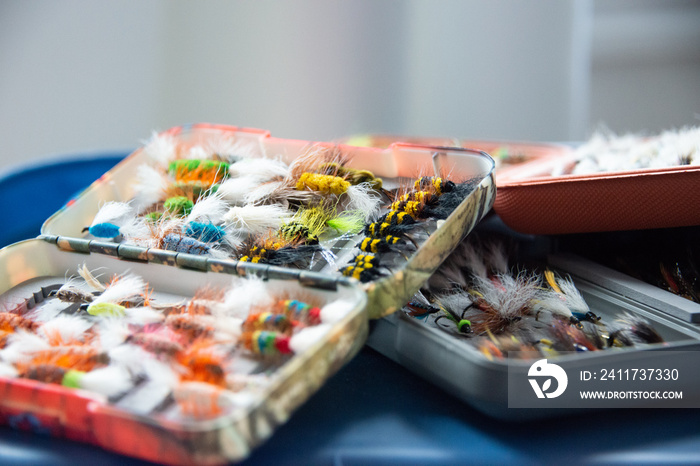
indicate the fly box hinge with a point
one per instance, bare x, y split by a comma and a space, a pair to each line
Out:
197, 262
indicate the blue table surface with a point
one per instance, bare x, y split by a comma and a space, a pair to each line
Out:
373, 411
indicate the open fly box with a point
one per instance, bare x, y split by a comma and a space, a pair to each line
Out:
486, 375
193, 355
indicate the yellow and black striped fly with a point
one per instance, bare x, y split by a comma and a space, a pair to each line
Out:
366, 261
415, 203
397, 218
360, 273
382, 228
379, 245
258, 254
435, 182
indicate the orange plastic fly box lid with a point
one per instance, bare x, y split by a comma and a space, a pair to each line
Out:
608, 183
190, 299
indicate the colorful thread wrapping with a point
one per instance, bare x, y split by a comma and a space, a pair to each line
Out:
208, 172
267, 321
298, 310
266, 343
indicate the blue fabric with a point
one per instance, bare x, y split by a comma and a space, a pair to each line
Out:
31, 194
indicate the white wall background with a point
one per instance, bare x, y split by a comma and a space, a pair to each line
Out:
79, 75
645, 70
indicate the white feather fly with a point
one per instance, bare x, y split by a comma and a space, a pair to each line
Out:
21, 346
116, 213
262, 169
161, 378
130, 357
363, 198
65, 328
508, 295
113, 332
226, 328
198, 153
548, 303
256, 219
161, 148
336, 311
308, 337
209, 209
139, 231
126, 287
243, 295
8, 371
228, 149
236, 191
150, 186
47, 311
140, 362
143, 316
574, 300
262, 192
89, 278
223, 147
107, 381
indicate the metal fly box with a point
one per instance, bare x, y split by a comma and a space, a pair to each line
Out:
486, 376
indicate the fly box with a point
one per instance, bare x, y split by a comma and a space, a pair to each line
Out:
481, 374
219, 403
145, 323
